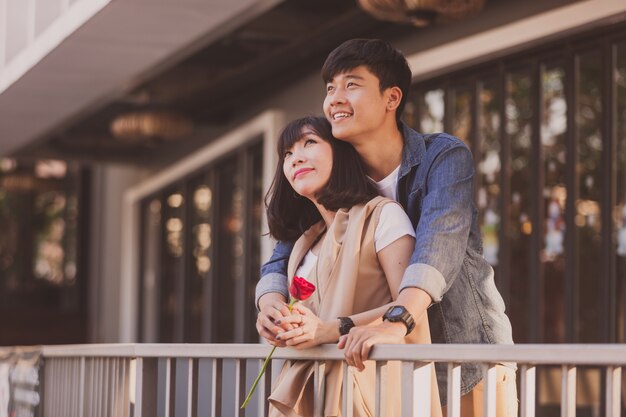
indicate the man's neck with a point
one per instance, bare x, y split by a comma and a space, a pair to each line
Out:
381, 153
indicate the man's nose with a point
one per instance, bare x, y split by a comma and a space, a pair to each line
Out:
338, 97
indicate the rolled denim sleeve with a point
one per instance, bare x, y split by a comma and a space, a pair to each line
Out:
445, 220
274, 272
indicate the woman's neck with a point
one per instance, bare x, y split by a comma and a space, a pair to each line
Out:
327, 215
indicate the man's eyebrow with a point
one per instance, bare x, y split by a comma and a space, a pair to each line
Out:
358, 77
350, 76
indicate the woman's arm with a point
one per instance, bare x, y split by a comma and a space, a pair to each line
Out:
394, 260
312, 331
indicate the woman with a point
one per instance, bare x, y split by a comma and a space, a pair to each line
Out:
353, 245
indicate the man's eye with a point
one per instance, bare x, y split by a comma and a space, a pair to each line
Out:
350, 84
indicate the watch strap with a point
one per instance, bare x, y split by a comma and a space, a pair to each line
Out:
345, 324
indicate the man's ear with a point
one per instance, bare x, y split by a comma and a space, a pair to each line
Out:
394, 96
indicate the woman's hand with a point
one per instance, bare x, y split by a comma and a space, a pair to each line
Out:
272, 309
308, 329
358, 343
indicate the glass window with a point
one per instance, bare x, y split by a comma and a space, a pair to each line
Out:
40, 275
619, 211
519, 112
588, 204
488, 170
201, 253
431, 111
461, 101
202, 259
554, 194
230, 266
173, 237
151, 267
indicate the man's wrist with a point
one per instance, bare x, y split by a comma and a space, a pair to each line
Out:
399, 314
269, 297
397, 327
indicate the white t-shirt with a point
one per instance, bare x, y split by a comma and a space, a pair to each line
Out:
388, 186
392, 225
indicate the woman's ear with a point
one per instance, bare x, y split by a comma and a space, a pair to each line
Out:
394, 97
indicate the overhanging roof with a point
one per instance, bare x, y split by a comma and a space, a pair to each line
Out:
112, 51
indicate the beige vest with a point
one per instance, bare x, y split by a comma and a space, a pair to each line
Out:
349, 280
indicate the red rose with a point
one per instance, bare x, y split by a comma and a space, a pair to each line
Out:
301, 289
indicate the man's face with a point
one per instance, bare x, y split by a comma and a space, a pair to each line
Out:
354, 104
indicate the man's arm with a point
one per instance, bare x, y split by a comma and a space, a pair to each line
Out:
441, 241
274, 273
272, 292
445, 220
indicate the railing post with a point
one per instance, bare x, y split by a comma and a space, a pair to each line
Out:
240, 385
613, 391
164, 387
216, 388
568, 393
529, 373
145, 387
81, 388
416, 388
347, 406
489, 390
184, 387
382, 367
319, 390
454, 390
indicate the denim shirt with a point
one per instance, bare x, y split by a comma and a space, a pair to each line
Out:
435, 189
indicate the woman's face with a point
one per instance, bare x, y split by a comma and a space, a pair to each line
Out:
308, 164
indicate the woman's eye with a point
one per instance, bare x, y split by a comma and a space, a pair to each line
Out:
287, 154
309, 141
329, 88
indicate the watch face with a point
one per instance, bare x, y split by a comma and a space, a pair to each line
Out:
397, 311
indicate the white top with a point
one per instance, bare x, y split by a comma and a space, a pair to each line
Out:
388, 186
392, 225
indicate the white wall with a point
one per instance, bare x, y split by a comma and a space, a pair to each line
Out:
109, 184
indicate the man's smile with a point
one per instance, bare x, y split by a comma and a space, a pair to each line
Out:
341, 115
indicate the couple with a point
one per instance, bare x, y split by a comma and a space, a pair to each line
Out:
385, 272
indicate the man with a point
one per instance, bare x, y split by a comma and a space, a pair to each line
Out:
367, 82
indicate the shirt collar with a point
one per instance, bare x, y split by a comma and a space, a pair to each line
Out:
412, 151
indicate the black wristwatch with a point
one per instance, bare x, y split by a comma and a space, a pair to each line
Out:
345, 324
400, 314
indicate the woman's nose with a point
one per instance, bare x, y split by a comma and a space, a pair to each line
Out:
297, 159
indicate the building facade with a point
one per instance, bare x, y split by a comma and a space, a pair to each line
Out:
112, 237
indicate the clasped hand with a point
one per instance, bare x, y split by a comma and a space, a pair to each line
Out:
299, 328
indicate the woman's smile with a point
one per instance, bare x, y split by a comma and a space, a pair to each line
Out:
301, 171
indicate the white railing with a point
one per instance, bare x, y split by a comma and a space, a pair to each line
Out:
212, 379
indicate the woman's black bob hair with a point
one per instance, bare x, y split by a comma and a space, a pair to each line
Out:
289, 214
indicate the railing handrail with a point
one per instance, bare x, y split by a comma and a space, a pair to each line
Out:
539, 354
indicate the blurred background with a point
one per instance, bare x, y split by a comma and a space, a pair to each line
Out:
136, 145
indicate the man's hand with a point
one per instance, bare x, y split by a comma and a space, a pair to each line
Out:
358, 343
272, 308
